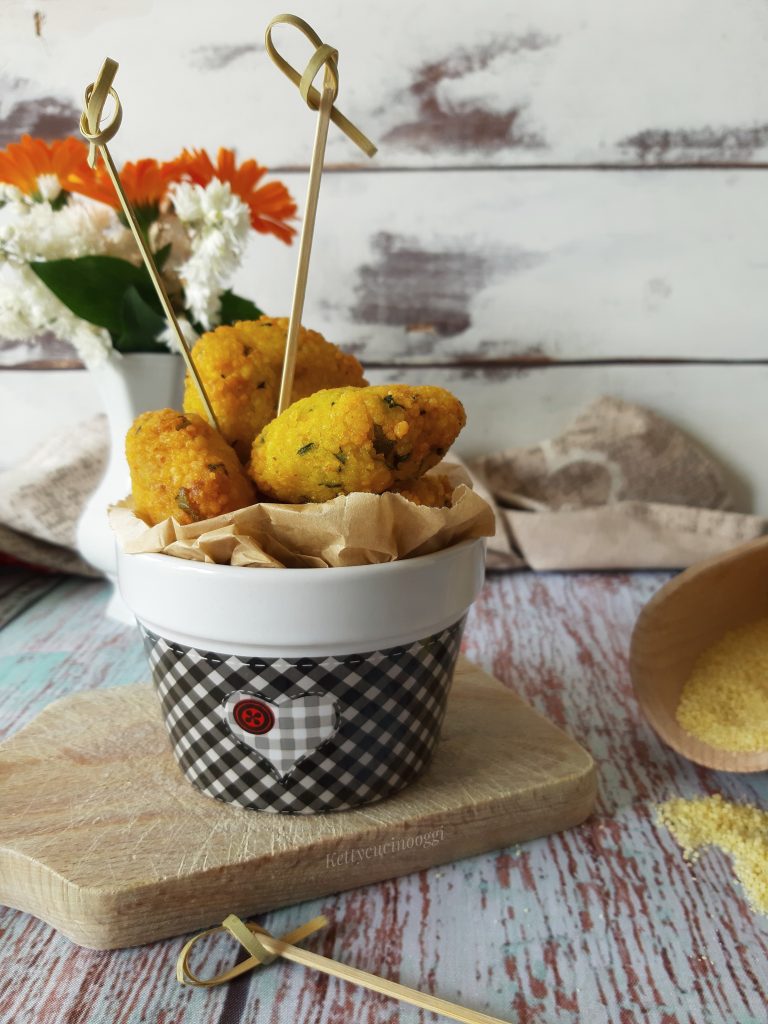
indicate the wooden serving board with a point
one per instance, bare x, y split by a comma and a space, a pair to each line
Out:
102, 837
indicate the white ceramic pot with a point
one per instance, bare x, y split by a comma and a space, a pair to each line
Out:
300, 690
128, 385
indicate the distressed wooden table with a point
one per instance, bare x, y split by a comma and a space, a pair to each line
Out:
603, 923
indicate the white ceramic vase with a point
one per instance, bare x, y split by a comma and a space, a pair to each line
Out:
129, 384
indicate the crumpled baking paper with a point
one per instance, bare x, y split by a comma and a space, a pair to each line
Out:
353, 529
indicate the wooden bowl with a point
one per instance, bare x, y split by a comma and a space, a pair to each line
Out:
689, 614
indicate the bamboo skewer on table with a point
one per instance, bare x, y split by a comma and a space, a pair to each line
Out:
264, 949
90, 128
324, 56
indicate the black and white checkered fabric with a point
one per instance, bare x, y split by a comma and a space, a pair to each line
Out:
309, 735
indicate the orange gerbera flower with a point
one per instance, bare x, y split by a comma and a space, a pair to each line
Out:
146, 182
23, 164
271, 205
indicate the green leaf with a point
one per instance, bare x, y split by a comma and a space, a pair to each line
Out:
161, 256
61, 200
235, 307
141, 325
145, 217
93, 287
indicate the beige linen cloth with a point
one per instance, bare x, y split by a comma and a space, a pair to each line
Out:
621, 488
41, 498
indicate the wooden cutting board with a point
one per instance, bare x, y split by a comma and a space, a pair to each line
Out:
102, 837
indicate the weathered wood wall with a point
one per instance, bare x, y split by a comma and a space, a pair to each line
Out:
533, 83
556, 185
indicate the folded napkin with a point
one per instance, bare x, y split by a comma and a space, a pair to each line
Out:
41, 499
621, 488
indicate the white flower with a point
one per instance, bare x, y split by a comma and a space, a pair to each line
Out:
28, 308
221, 206
48, 187
11, 194
218, 223
80, 228
169, 230
93, 344
168, 336
187, 201
208, 231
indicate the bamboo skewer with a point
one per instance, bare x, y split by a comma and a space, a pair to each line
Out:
186, 976
264, 949
324, 56
305, 243
95, 97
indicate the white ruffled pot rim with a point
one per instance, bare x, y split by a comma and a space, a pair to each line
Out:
294, 613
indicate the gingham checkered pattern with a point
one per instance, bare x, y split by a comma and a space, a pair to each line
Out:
390, 706
301, 725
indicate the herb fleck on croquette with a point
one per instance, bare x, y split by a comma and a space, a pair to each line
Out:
182, 500
382, 444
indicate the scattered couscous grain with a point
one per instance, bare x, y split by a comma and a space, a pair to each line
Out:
725, 700
739, 830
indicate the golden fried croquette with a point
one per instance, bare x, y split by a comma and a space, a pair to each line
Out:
434, 490
354, 439
181, 467
241, 367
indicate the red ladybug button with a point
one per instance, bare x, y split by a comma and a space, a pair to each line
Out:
253, 716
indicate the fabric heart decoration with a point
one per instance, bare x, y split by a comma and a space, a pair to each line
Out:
282, 730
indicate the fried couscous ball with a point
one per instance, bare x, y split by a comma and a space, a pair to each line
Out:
241, 367
181, 467
434, 491
354, 439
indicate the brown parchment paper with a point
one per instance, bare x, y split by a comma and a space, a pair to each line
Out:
353, 529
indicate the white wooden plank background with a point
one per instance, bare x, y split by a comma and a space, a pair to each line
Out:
473, 252
459, 84
455, 266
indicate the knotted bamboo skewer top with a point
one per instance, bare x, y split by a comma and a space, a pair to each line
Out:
325, 56
98, 136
